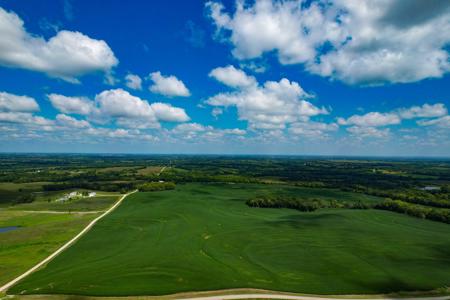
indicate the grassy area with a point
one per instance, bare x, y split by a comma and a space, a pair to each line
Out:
150, 170
97, 203
203, 237
37, 236
10, 191
115, 169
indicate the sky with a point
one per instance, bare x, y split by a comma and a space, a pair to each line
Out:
331, 77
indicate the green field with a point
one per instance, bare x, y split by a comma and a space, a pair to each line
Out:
98, 203
10, 191
37, 236
203, 237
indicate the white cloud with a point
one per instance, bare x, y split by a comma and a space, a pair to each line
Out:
166, 112
232, 77
357, 41
377, 119
372, 119
133, 82
369, 132
71, 105
254, 67
68, 121
270, 106
14, 103
121, 107
443, 122
235, 131
168, 85
67, 55
24, 118
190, 127
424, 111
216, 112
312, 129
135, 112
200, 133
120, 103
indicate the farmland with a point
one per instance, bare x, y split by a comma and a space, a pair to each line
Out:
37, 235
204, 237
204, 223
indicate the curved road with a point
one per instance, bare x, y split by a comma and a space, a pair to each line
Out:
64, 247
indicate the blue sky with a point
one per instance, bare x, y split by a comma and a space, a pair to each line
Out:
247, 77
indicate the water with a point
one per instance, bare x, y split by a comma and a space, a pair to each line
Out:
9, 228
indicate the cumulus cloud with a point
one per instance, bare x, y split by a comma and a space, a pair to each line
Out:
199, 133
190, 127
270, 106
133, 111
312, 129
14, 103
443, 122
362, 42
68, 121
71, 105
68, 55
166, 112
24, 118
232, 77
168, 85
372, 119
377, 119
120, 103
424, 111
119, 106
369, 132
133, 82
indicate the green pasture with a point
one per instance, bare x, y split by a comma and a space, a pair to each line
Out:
97, 203
203, 237
37, 236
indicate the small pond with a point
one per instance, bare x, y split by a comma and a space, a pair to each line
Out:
9, 228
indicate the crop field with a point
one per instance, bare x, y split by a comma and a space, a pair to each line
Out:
202, 237
150, 170
36, 236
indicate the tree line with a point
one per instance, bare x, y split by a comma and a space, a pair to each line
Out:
301, 203
156, 186
312, 204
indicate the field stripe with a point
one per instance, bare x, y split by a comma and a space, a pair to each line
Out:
65, 246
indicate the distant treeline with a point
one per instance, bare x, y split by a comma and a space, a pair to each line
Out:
434, 214
121, 187
311, 204
302, 204
27, 198
182, 177
156, 186
436, 199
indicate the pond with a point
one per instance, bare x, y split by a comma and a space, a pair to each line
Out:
9, 228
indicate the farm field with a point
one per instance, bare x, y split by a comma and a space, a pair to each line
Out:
35, 236
204, 237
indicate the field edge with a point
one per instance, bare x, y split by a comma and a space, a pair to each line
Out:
240, 293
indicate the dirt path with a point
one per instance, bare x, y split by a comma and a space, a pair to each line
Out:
292, 297
162, 170
64, 247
